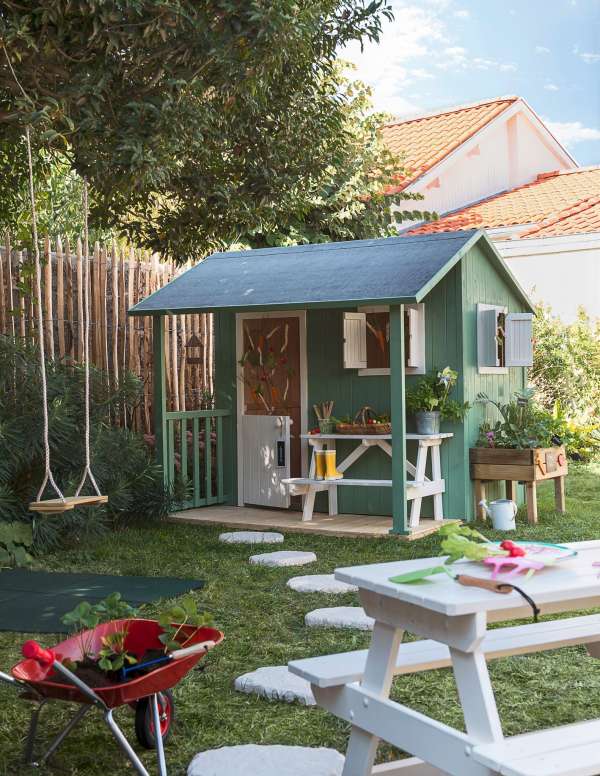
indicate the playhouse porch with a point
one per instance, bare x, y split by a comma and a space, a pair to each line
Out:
341, 525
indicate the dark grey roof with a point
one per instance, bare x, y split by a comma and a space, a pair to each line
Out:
394, 269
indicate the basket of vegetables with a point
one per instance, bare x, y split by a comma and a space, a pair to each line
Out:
366, 421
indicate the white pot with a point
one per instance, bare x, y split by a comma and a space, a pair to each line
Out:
502, 513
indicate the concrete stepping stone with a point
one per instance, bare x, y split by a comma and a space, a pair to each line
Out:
339, 617
277, 684
320, 583
251, 537
260, 760
283, 558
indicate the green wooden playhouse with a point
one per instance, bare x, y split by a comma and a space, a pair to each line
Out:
354, 323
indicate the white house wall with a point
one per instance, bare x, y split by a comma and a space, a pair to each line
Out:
507, 153
563, 272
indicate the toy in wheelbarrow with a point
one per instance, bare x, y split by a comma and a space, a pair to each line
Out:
143, 681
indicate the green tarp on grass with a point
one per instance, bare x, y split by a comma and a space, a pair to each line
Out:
35, 601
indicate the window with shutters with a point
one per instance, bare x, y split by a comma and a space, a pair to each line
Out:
371, 326
503, 339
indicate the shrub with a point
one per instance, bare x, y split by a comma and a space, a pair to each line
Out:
121, 461
566, 365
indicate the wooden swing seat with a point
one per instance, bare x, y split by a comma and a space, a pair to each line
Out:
56, 506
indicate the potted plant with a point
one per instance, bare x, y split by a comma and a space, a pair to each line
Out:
430, 403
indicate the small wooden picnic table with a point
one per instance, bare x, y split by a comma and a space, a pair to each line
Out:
453, 619
418, 488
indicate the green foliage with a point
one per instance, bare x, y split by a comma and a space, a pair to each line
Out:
461, 541
195, 123
121, 460
16, 539
113, 655
432, 394
526, 424
356, 197
174, 619
85, 616
566, 376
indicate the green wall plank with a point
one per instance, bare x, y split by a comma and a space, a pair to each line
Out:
482, 283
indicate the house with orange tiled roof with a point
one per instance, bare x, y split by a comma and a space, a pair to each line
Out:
548, 232
460, 155
496, 166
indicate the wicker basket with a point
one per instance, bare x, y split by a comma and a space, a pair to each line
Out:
360, 424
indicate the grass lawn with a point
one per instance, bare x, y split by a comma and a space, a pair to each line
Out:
264, 625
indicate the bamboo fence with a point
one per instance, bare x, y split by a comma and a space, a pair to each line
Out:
119, 277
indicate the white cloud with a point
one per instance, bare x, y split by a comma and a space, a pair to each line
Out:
572, 132
551, 87
462, 13
414, 34
590, 58
542, 50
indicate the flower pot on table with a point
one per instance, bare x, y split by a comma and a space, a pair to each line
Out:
428, 422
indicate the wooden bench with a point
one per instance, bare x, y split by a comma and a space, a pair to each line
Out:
307, 487
415, 656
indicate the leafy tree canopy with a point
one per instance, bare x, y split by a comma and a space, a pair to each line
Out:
195, 122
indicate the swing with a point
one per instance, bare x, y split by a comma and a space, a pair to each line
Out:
62, 503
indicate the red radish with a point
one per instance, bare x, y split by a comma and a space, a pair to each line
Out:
513, 550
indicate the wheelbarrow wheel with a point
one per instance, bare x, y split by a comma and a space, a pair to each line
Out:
144, 723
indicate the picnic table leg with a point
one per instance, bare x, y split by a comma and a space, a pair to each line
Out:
559, 494
476, 695
378, 676
309, 505
436, 476
531, 498
415, 508
332, 492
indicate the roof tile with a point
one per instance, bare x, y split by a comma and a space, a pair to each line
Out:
424, 141
566, 202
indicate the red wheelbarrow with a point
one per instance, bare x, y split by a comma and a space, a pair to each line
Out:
41, 677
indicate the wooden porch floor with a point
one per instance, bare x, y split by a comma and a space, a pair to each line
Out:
268, 519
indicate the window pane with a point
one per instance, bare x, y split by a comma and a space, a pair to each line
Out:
378, 340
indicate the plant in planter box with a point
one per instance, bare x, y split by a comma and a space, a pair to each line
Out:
429, 401
522, 425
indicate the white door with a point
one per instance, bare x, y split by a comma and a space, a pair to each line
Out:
266, 459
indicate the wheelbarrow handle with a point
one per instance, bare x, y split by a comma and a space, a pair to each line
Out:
203, 646
34, 651
47, 657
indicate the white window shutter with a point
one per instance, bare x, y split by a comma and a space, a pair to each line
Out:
414, 344
519, 339
355, 341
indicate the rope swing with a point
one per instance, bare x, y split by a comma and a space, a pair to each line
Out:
62, 503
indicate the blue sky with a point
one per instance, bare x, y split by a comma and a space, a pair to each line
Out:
439, 53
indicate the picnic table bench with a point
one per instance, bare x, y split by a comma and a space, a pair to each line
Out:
416, 489
453, 621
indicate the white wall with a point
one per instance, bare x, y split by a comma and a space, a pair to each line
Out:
507, 153
563, 272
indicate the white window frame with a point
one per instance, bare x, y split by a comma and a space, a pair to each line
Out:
420, 368
482, 367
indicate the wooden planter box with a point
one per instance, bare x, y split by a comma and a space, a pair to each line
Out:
512, 466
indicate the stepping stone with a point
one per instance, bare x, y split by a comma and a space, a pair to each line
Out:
251, 537
320, 583
260, 760
284, 558
339, 617
277, 684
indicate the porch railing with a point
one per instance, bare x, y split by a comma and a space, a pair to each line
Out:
195, 455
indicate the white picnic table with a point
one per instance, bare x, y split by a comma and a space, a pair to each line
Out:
453, 619
418, 488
